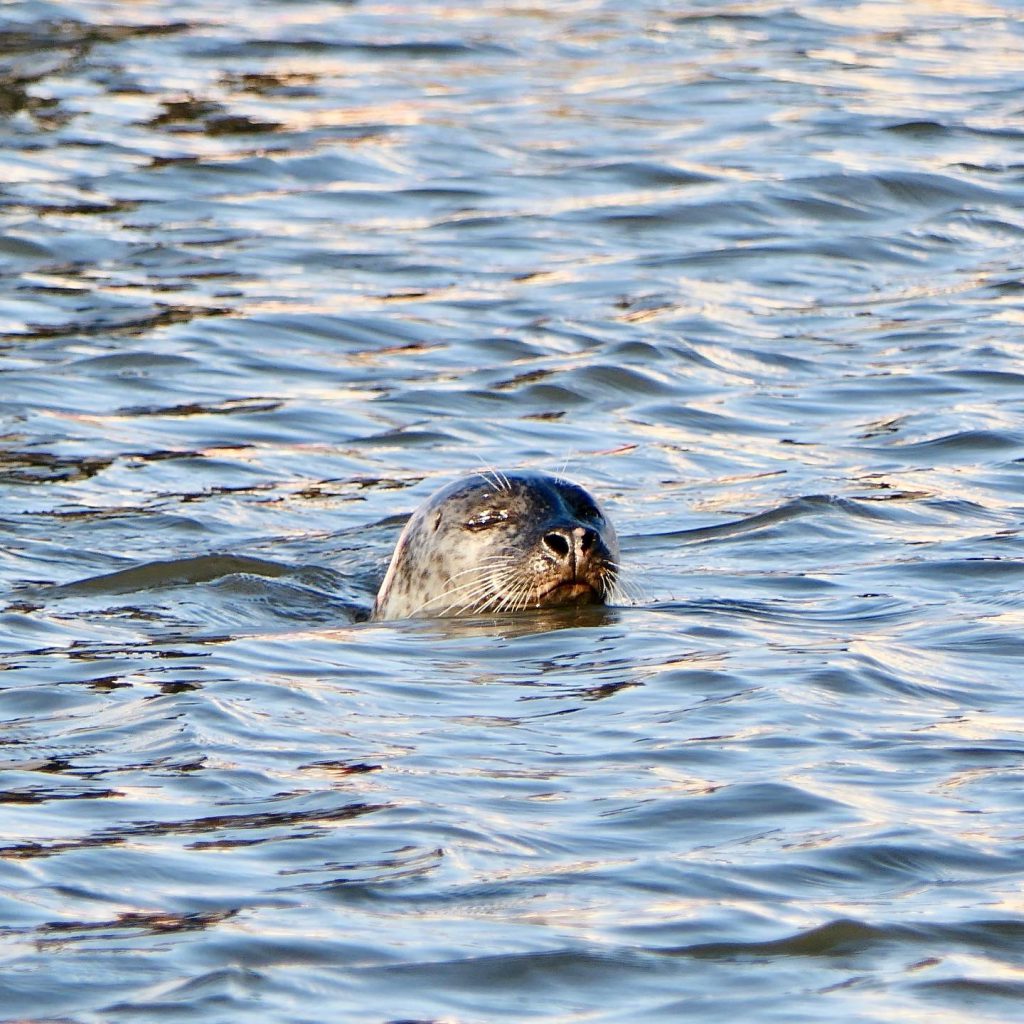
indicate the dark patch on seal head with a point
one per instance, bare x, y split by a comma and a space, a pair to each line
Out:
501, 542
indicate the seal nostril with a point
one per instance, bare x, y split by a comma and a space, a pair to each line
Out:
588, 538
557, 543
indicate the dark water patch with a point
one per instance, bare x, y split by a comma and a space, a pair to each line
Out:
851, 937
315, 597
133, 922
986, 377
34, 49
44, 467
981, 641
976, 570
826, 209
351, 882
743, 14
38, 795
929, 189
970, 991
229, 407
722, 805
403, 438
184, 111
24, 248
213, 593
174, 572
810, 505
555, 970
257, 821
211, 117
134, 362
963, 443
415, 49
74, 208
922, 129
647, 174
894, 860
128, 323
670, 216
47, 468
620, 381
701, 420
294, 84
374, 338
881, 388
837, 938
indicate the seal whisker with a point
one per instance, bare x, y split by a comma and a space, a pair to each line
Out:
512, 585
619, 589
493, 602
626, 589
486, 586
569, 456
488, 562
466, 593
521, 593
613, 592
495, 562
498, 480
515, 591
508, 594
465, 605
491, 478
506, 599
622, 591
482, 602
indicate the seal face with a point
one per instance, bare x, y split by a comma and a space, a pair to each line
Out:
500, 542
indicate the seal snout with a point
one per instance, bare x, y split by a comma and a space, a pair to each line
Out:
571, 546
578, 561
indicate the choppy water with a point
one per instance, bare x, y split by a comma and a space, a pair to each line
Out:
273, 271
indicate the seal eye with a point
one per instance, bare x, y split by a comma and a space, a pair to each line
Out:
587, 511
490, 517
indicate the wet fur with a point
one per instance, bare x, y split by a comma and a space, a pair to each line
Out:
477, 546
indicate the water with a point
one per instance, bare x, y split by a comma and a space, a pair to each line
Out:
273, 271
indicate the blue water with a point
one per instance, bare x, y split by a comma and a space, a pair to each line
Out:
274, 271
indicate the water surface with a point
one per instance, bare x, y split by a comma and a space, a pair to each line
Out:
273, 271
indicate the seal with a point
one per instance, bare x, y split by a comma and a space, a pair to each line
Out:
501, 542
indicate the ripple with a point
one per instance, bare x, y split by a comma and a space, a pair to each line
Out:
275, 271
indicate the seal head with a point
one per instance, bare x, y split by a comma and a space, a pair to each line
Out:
500, 542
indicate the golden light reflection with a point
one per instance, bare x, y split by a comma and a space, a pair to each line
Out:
886, 16
1009, 902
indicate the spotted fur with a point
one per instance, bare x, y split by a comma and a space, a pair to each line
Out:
501, 542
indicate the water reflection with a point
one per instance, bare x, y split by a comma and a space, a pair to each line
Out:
272, 271
511, 626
